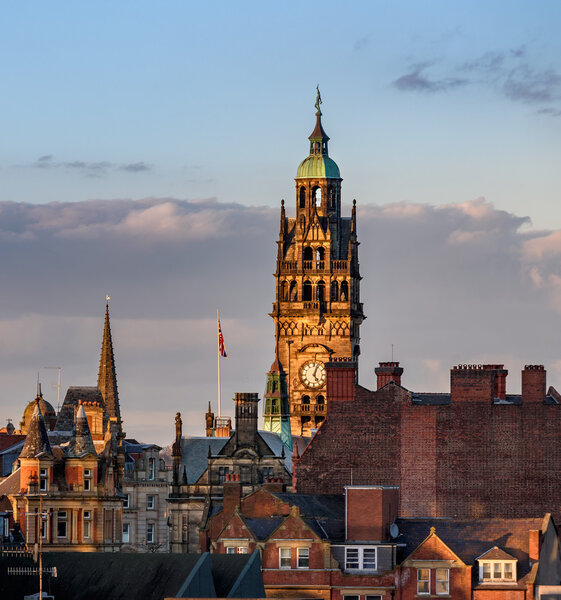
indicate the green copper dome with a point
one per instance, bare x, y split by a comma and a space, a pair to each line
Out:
318, 167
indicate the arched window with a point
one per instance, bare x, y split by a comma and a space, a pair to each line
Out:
334, 291
344, 291
284, 291
308, 253
320, 291
307, 296
320, 401
293, 294
302, 197
320, 253
316, 196
331, 196
305, 399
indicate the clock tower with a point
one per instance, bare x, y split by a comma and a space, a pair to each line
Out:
317, 312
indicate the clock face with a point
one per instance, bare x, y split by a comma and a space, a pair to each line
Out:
312, 374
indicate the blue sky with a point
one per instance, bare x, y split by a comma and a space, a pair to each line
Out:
432, 102
167, 133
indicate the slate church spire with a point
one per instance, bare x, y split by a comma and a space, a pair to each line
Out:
107, 377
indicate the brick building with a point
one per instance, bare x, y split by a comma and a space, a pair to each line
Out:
472, 453
354, 547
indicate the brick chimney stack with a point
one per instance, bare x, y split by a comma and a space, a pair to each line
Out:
342, 376
370, 511
232, 492
478, 383
388, 371
533, 383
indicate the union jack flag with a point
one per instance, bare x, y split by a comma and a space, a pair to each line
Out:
221, 346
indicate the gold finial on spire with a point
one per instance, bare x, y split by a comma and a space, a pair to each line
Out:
318, 101
107, 298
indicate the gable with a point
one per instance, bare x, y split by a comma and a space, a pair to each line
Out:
432, 548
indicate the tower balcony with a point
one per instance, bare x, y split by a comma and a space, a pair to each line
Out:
300, 409
316, 266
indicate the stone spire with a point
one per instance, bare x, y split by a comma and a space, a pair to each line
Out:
81, 442
37, 440
107, 377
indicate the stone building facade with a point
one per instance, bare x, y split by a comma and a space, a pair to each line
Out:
317, 310
202, 465
145, 487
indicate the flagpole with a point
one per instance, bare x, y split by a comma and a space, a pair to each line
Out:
218, 356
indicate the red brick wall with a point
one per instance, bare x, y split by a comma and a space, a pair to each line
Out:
370, 512
499, 594
470, 458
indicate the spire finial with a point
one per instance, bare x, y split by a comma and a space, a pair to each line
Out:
318, 101
107, 298
107, 377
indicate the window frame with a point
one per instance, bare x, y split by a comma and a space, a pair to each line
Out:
62, 520
303, 556
126, 501
359, 560
284, 549
150, 502
423, 581
150, 528
493, 564
87, 524
446, 581
43, 479
127, 533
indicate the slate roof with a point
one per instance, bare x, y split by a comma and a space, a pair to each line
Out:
194, 454
94, 575
81, 442
469, 539
261, 528
496, 554
65, 421
37, 440
11, 484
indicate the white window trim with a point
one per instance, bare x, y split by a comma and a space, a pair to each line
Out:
419, 593
298, 551
127, 501
289, 557
150, 505
361, 566
62, 519
128, 527
492, 564
447, 580
153, 530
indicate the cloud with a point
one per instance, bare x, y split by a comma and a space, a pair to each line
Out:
513, 74
450, 284
88, 169
417, 81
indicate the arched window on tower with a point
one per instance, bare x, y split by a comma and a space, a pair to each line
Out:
334, 291
284, 291
316, 196
307, 296
344, 291
320, 291
302, 197
305, 403
320, 253
320, 403
293, 294
308, 253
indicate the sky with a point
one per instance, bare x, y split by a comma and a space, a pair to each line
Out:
146, 148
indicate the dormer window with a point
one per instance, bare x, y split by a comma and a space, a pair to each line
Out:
496, 566
360, 558
496, 571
